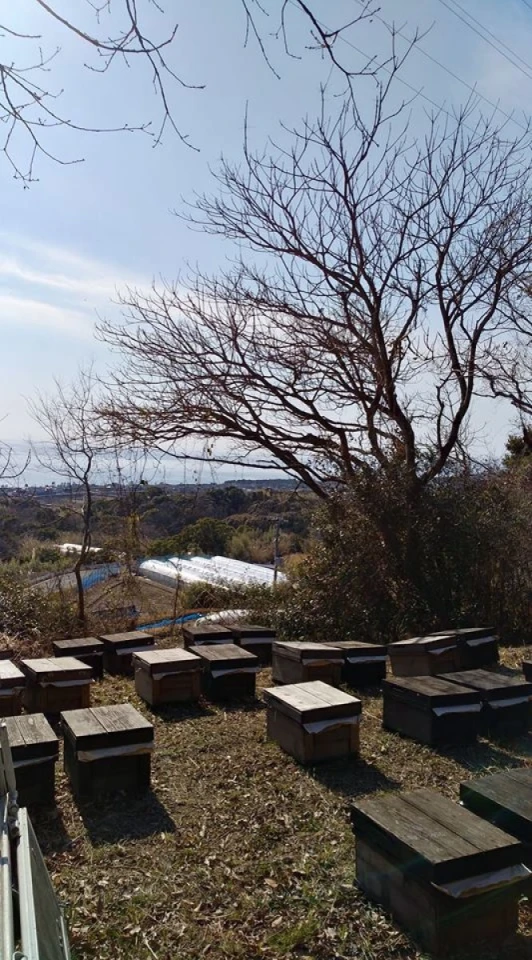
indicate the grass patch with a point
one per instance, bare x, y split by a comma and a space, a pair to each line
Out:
239, 852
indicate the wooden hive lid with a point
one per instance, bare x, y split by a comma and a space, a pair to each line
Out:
360, 648
311, 701
509, 792
306, 650
133, 638
433, 837
10, 675
467, 633
405, 648
426, 693
243, 630
197, 630
492, 686
112, 726
175, 660
81, 644
56, 669
31, 737
224, 656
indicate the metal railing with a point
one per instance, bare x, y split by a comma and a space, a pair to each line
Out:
27, 893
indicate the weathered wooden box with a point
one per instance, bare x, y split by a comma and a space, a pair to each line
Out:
7, 653
197, 633
476, 646
301, 662
527, 669
107, 749
167, 676
423, 656
87, 649
228, 671
431, 710
451, 879
505, 700
313, 721
255, 638
504, 799
54, 684
364, 663
118, 650
12, 683
35, 749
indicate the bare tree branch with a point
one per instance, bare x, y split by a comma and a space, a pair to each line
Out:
29, 106
379, 276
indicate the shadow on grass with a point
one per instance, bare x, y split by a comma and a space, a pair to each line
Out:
246, 705
50, 829
119, 817
177, 712
483, 755
352, 777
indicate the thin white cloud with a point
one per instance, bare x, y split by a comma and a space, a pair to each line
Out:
27, 311
56, 288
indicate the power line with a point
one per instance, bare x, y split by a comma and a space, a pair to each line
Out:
527, 4
487, 40
455, 76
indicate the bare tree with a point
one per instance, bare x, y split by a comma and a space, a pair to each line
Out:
382, 274
29, 104
70, 452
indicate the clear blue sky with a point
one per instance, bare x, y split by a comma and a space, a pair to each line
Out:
83, 230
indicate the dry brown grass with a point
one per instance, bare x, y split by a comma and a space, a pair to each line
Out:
239, 852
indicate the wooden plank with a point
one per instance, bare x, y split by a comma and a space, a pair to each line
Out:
488, 683
129, 639
466, 825
243, 630
157, 661
359, 647
420, 644
85, 644
10, 675
31, 736
224, 656
310, 701
429, 692
55, 668
115, 725
302, 650
430, 846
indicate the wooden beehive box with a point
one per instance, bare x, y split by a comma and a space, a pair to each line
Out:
505, 799
195, 634
431, 710
228, 671
255, 638
476, 646
35, 749
505, 700
423, 656
118, 650
87, 649
107, 749
527, 669
167, 676
313, 721
301, 662
7, 653
12, 682
364, 663
451, 879
54, 684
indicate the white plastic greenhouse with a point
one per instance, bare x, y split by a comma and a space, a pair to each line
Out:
215, 570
